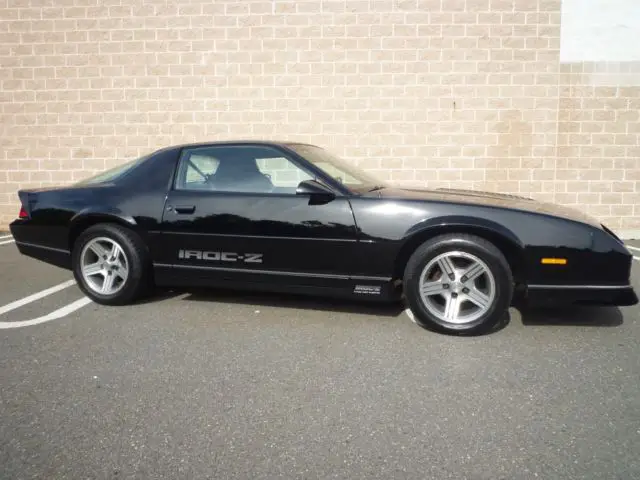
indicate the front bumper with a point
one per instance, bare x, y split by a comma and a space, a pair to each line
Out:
596, 295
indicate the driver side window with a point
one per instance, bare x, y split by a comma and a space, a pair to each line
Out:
251, 169
284, 174
198, 170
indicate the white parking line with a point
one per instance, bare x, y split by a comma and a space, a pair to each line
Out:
4, 237
6, 242
409, 314
59, 313
36, 296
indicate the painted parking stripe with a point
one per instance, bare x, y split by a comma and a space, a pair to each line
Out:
36, 296
409, 314
56, 314
7, 242
4, 237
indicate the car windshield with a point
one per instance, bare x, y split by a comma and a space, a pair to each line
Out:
113, 173
355, 179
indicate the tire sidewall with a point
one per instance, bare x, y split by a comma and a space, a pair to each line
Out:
498, 266
131, 285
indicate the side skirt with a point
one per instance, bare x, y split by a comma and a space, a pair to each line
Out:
373, 289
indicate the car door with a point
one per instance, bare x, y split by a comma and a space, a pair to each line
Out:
233, 214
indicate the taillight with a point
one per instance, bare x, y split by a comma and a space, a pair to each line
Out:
23, 213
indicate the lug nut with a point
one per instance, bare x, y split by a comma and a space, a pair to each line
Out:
445, 286
464, 278
465, 290
454, 294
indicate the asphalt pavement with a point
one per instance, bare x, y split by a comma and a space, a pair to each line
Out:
212, 384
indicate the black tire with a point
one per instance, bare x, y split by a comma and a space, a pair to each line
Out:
139, 280
485, 251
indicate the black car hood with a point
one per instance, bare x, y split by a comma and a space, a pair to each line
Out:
489, 199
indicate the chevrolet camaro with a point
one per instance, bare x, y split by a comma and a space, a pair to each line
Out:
291, 217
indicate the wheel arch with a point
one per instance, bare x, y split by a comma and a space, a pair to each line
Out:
500, 236
88, 217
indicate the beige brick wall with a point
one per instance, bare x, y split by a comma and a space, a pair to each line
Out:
464, 93
598, 167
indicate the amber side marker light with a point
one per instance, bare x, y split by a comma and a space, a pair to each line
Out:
554, 261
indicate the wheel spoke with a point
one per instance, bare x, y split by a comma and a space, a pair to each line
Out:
93, 269
447, 267
432, 288
473, 272
99, 250
107, 285
115, 252
479, 298
122, 271
452, 308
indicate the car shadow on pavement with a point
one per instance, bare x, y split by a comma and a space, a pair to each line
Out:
159, 295
293, 301
576, 316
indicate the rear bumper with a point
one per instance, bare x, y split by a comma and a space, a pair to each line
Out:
31, 247
596, 295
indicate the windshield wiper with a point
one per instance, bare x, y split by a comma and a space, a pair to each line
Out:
375, 188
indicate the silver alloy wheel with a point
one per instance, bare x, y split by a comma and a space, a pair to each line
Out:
457, 287
104, 265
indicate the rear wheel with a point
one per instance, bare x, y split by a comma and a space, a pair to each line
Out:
110, 264
458, 284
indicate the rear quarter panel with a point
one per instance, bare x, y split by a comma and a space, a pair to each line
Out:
56, 214
50, 215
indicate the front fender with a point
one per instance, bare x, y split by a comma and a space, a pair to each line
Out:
460, 222
502, 237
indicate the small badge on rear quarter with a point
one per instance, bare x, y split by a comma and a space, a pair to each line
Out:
367, 289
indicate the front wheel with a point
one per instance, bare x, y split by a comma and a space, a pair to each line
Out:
110, 264
458, 283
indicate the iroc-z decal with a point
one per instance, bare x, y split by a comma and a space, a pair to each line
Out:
212, 256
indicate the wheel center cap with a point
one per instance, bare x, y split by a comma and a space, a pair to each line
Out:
456, 286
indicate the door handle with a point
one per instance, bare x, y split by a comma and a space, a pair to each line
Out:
184, 208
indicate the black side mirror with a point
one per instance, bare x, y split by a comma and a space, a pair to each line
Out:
316, 191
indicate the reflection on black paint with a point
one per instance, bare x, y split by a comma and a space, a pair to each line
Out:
227, 224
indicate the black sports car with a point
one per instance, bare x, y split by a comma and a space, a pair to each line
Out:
291, 217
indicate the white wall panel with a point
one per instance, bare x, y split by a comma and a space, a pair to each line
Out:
600, 30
